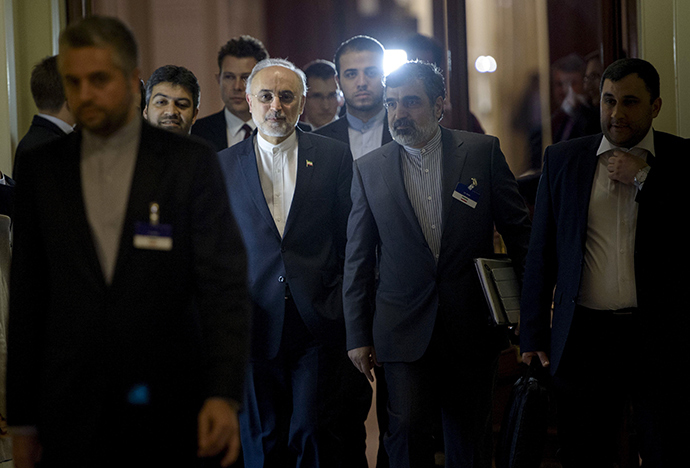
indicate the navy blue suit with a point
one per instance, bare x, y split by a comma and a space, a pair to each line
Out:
41, 131
573, 336
431, 328
295, 283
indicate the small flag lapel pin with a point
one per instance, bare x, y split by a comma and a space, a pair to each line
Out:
309, 163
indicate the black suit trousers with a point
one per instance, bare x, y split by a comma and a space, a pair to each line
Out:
603, 395
450, 382
289, 418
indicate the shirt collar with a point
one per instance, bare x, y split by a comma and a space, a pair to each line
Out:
121, 138
284, 146
360, 126
647, 143
64, 126
234, 123
433, 145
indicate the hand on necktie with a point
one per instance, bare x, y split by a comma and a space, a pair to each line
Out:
623, 166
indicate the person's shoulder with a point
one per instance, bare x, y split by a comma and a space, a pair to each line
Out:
171, 143
670, 139
575, 147
321, 140
210, 121
211, 118
463, 136
228, 156
332, 129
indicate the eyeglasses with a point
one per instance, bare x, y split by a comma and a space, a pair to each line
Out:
408, 102
267, 97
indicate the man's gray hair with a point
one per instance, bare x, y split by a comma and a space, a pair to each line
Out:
277, 62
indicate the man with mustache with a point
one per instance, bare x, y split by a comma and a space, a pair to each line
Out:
172, 99
290, 193
423, 207
128, 305
617, 334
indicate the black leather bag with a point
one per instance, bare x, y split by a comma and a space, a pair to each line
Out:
525, 423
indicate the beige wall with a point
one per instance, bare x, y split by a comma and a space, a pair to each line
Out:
5, 114
186, 33
515, 35
28, 32
665, 42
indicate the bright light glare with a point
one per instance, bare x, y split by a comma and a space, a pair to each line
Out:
393, 59
485, 64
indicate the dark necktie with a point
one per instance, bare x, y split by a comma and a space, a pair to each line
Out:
247, 131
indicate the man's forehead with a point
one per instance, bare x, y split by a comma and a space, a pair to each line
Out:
171, 90
316, 84
413, 88
630, 85
276, 76
361, 59
238, 64
86, 59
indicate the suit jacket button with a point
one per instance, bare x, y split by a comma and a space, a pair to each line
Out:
281, 279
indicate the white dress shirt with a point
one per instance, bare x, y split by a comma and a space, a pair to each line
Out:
277, 166
365, 137
234, 127
64, 126
608, 275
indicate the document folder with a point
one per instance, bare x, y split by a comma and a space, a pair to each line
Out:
501, 289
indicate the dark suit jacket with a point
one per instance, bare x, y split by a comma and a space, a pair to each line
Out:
171, 327
309, 256
41, 131
213, 129
339, 130
559, 233
412, 288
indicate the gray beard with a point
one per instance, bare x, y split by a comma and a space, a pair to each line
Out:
281, 130
414, 136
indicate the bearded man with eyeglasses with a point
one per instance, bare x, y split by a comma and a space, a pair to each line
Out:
290, 194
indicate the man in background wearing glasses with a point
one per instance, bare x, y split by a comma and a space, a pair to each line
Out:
290, 194
324, 97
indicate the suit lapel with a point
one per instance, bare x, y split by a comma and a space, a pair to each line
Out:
392, 174
454, 157
250, 172
586, 168
386, 136
305, 152
74, 202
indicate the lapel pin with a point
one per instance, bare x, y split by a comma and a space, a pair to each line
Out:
309, 163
